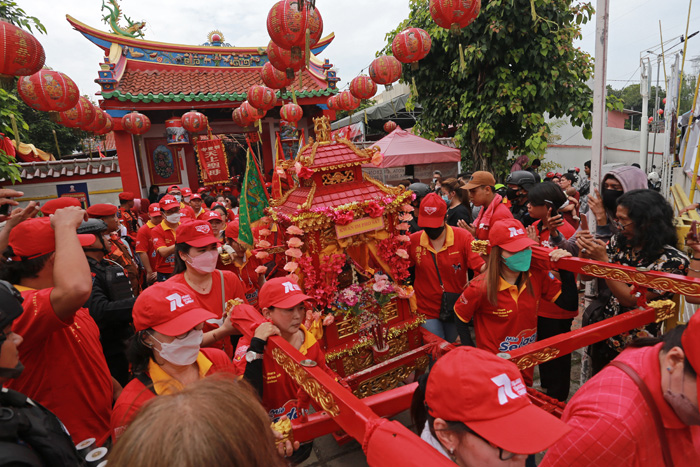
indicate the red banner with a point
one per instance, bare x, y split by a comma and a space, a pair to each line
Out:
212, 161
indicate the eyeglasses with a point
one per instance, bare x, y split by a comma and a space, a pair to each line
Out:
620, 226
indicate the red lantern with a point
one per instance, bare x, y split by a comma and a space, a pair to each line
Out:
274, 78
347, 101
250, 113
282, 59
385, 69
48, 91
136, 123
651, 119
238, 118
194, 121
108, 125
660, 111
22, 54
333, 103
287, 25
98, 123
411, 45
664, 101
81, 114
454, 14
291, 113
390, 126
262, 97
363, 87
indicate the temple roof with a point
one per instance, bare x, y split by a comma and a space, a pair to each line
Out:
334, 154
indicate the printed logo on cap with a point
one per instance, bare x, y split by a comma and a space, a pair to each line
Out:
170, 201
203, 228
291, 287
514, 232
508, 389
430, 210
178, 301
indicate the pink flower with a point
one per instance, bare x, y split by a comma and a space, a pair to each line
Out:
349, 297
279, 170
297, 167
377, 158
374, 209
344, 217
407, 292
262, 255
401, 253
294, 230
291, 266
261, 270
294, 242
403, 238
407, 208
405, 217
328, 319
264, 244
294, 253
264, 232
305, 172
403, 226
381, 282
266, 220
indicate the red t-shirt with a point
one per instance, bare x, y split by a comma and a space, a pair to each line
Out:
163, 236
65, 369
455, 257
233, 288
611, 423
279, 390
136, 394
144, 243
247, 274
489, 215
200, 216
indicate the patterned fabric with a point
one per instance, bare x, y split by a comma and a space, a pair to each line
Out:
671, 261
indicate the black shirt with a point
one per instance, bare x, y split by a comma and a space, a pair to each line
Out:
458, 212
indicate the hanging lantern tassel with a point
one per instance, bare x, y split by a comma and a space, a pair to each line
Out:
259, 126
14, 130
307, 50
294, 97
365, 117
462, 65
55, 139
414, 90
301, 84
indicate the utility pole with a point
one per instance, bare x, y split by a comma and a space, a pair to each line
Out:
644, 88
599, 74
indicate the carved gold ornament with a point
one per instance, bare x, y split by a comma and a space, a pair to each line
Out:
530, 360
283, 427
643, 280
665, 309
480, 247
390, 379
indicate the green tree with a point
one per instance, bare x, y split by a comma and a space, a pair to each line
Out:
519, 62
40, 132
364, 103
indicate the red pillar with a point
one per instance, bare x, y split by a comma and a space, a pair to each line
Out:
191, 166
267, 155
127, 162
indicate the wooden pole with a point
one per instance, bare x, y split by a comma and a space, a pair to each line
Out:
663, 57
601, 64
690, 121
685, 47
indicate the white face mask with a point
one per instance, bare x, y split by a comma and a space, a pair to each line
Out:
204, 263
183, 351
178, 198
187, 199
173, 218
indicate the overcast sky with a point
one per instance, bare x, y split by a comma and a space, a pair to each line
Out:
359, 27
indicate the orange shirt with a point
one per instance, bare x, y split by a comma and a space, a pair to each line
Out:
163, 236
144, 243
455, 257
128, 220
65, 369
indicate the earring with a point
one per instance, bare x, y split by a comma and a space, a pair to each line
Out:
668, 368
452, 451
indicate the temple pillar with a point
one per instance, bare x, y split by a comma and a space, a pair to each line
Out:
127, 162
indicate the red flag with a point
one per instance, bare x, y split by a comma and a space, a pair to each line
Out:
276, 176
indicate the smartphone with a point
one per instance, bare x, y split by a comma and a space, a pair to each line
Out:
693, 232
584, 222
5, 210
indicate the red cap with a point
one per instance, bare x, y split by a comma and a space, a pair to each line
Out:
232, 229
510, 235
549, 175
212, 215
173, 187
168, 202
35, 237
154, 209
202, 189
691, 344
196, 196
493, 401
281, 292
186, 191
101, 210
432, 211
165, 308
126, 196
50, 207
227, 189
196, 234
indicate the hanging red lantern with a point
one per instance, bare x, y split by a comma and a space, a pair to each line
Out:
363, 87
282, 59
651, 119
48, 91
262, 97
454, 14
98, 123
108, 125
81, 114
288, 21
22, 55
238, 118
390, 126
660, 111
194, 122
347, 101
385, 69
333, 103
136, 123
291, 113
251, 113
274, 78
411, 45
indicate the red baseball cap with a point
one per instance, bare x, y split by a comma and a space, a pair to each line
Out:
50, 207
232, 229
212, 215
202, 189
35, 237
173, 187
154, 209
186, 191
510, 235
196, 196
281, 292
196, 234
168, 202
126, 196
486, 393
165, 308
691, 345
227, 189
101, 210
432, 211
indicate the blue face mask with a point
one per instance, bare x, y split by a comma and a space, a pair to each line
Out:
446, 199
519, 262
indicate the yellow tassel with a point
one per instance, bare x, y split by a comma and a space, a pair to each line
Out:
301, 84
462, 65
307, 50
294, 96
365, 117
260, 126
414, 90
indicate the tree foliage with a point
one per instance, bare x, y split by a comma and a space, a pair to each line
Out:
519, 62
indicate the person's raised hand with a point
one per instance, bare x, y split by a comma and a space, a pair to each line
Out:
266, 330
71, 216
689, 207
22, 214
553, 222
595, 204
464, 225
6, 197
592, 248
558, 254
531, 231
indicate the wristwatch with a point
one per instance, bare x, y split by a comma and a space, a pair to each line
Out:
251, 356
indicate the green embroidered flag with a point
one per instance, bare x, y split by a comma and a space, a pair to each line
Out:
253, 201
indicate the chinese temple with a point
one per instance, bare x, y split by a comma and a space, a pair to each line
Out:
164, 81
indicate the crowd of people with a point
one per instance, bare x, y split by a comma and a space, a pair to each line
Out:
121, 322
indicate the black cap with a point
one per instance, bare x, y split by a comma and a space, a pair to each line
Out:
10, 305
92, 226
